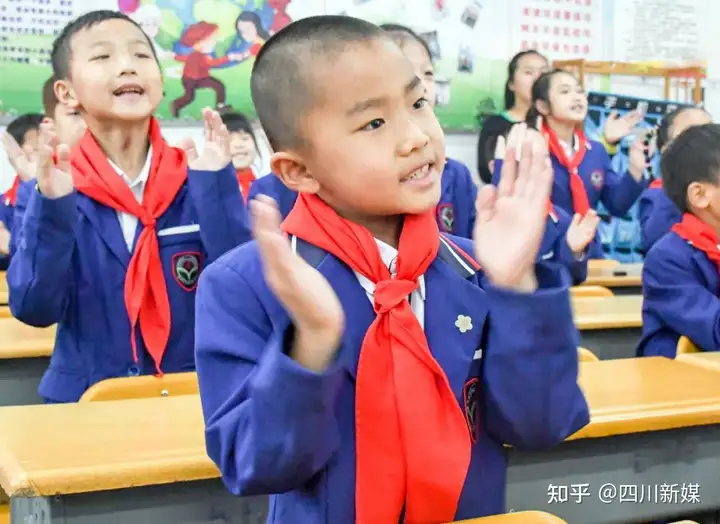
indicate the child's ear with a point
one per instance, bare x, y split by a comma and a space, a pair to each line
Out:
700, 195
65, 94
293, 172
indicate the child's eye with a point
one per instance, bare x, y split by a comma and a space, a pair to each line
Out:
100, 57
142, 55
420, 103
373, 124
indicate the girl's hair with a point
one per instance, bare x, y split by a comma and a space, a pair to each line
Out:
512, 69
239, 123
402, 34
663, 131
541, 92
250, 16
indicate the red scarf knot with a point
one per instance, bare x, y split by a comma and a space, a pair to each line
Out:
702, 236
390, 293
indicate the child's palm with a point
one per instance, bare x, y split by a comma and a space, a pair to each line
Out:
582, 231
53, 175
511, 219
216, 152
306, 295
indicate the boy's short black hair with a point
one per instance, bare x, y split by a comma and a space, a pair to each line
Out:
694, 156
22, 124
61, 52
663, 131
239, 123
282, 81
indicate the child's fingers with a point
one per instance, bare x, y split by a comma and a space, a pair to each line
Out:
63, 158
575, 222
485, 203
613, 115
188, 145
207, 124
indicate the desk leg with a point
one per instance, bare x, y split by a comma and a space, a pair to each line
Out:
202, 502
611, 343
627, 468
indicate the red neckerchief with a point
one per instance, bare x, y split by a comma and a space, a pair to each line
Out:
10, 196
419, 462
577, 187
245, 178
146, 297
700, 235
656, 184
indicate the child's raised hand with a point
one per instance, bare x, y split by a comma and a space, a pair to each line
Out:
618, 127
511, 218
53, 175
307, 296
23, 159
216, 153
582, 231
638, 160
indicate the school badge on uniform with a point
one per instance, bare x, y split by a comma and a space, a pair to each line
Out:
186, 269
470, 392
597, 178
446, 217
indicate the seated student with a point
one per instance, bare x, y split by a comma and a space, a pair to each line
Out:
68, 126
20, 142
321, 383
566, 239
583, 174
244, 150
116, 234
680, 273
656, 212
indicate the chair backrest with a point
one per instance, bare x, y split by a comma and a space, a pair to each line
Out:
4, 513
172, 384
5, 312
585, 355
685, 346
590, 291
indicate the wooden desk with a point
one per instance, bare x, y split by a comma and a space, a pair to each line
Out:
708, 359
622, 279
609, 326
140, 461
3, 298
521, 517
24, 356
5, 312
654, 421
144, 460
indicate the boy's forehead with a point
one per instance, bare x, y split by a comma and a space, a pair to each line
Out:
370, 70
114, 30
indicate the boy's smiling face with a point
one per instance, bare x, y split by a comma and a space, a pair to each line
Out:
113, 74
373, 146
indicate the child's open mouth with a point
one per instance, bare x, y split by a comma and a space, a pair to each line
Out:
129, 92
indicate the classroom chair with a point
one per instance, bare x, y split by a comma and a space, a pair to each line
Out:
589, 291
4, 513
5, 312
585, 355
143, 387
685, 346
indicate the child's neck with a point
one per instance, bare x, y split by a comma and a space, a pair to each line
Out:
564, 130
239, 162
385, 228
519, 111
707, 217
125, 145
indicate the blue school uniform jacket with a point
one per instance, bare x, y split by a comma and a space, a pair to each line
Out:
657, 215
274, 427
455, 212
554, 247
680, 297
69, 268
617, 192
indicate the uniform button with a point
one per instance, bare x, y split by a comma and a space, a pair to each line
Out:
133, 371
